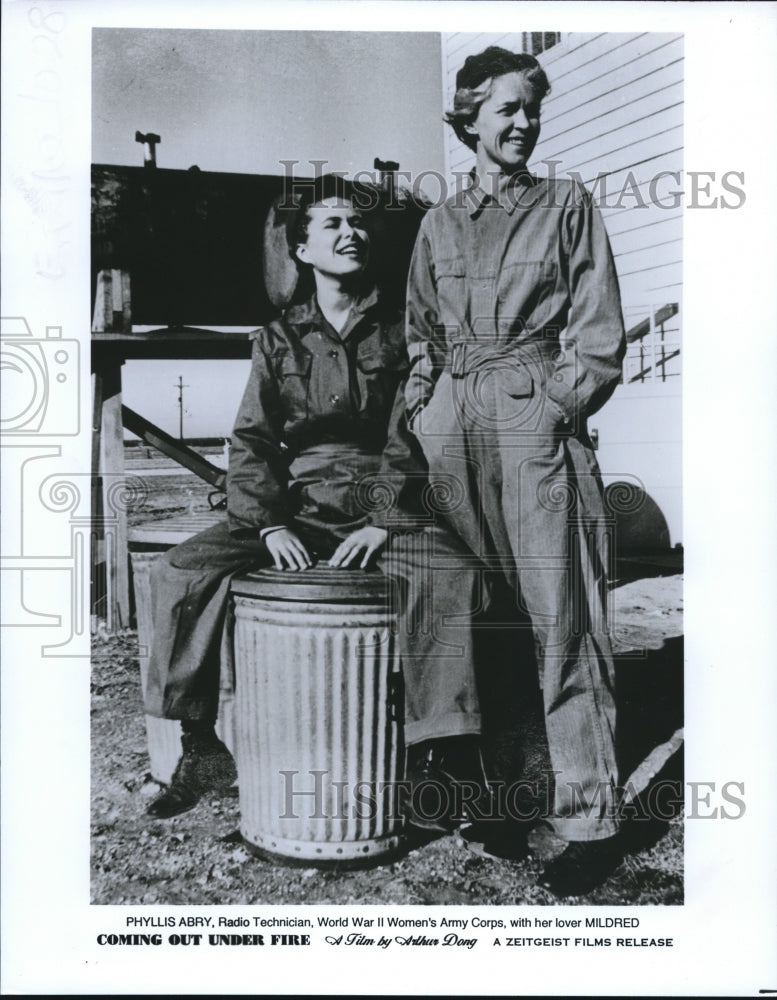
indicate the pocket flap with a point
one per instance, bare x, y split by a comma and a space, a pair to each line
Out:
453, 267
385, 358
292, 364
517, 381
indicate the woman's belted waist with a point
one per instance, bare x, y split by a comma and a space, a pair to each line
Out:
467, 356
323, 481
325, 453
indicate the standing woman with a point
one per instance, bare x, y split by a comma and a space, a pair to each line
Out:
515, 337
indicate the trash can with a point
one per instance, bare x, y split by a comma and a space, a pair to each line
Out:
317, 714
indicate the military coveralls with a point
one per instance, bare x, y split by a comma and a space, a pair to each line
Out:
515, 337
321, 445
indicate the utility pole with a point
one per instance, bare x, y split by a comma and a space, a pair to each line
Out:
180, 387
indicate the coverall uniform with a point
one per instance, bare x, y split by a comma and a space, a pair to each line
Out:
515, 336
321, 445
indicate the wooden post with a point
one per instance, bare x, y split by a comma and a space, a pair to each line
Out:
114, 511
110, 558
97, 580
112, 306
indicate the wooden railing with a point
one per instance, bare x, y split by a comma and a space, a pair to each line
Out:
110, 349
642, 330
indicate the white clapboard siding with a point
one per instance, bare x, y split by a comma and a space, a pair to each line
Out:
626, 150
612, 186
637, 249
461, 160
461, 44
648, 262
588, 69
653, 288
657, 111
575, 45
641, 86
641, 228
668, 227
637, 71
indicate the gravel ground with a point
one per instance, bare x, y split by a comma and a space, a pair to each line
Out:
199, 857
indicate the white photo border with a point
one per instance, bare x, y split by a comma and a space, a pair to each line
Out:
724, 934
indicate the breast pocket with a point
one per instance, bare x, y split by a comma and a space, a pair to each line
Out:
451, 281
380, 372
293, 374
526, 292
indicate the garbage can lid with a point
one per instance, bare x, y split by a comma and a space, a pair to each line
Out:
320, 583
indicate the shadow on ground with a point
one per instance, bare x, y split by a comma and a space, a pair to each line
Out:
198, 858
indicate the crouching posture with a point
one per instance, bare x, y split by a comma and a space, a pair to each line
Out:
322, 417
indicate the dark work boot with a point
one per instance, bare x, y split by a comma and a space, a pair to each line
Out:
204, 766
448, 783
581, 867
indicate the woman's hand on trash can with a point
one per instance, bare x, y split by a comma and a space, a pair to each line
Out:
366, 542
287, 550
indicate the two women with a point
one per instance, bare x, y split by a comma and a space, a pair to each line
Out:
515, 337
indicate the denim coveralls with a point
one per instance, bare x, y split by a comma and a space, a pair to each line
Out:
321, 445
515, 337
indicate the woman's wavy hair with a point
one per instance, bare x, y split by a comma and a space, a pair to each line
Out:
475, 80
296, 216
326, 186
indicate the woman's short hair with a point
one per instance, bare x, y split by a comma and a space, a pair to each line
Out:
475, 80
307, 195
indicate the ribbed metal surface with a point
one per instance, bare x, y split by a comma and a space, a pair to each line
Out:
164, 735
319, 583
314, 715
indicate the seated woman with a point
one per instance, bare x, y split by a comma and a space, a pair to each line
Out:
322, 416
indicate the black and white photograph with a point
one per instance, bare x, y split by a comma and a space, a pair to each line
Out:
440, 557
370, 511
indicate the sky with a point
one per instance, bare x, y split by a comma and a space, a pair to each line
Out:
241, 102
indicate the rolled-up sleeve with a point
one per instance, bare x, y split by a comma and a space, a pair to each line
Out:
590, 362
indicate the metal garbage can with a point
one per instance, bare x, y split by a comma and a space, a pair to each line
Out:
317, 714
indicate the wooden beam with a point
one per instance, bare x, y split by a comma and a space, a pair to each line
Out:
170, 343
658, 757
649, 368
179, 452
643, 328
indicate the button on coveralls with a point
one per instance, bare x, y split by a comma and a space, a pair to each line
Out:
515, 337
321, 445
